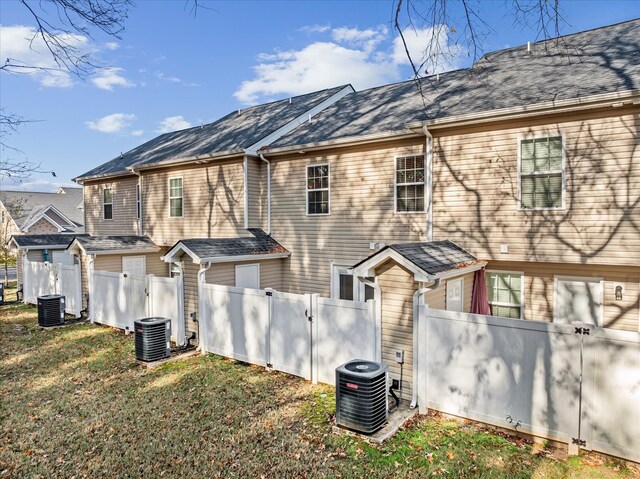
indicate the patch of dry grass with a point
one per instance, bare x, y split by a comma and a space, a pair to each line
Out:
73, 402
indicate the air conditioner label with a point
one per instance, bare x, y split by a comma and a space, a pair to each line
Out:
351, 386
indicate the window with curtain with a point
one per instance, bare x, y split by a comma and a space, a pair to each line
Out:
541, 173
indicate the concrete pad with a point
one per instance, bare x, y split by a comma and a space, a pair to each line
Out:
170, 359
396, 420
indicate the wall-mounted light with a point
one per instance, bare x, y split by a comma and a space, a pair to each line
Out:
618, 292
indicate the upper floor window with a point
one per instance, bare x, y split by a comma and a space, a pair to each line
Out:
107, 204
504, 290
541, 173
318, 190
410, 184
175, 197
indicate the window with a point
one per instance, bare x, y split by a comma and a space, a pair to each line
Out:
175, 270
410, 184
346, 286
318, 190
541, 173
107, 204
138, 201
175, 197
504, 290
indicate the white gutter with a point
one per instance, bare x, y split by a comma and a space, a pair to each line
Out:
268, 193
378, 332
202, 280
139, 175
122, 251
246, 257
416, 343
429, 179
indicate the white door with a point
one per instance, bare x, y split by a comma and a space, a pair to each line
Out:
62, 257
578, 300
248, 276
134, 265
455, 289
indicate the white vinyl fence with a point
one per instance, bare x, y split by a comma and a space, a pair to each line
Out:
551, 380
118, 299
301, 334
40, 279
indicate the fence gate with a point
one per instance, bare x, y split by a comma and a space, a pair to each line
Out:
41, 279
166, 301
568, 382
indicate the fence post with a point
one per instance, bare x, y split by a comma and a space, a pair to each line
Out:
314, 319
267, 343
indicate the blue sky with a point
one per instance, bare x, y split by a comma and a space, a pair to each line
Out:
171, 70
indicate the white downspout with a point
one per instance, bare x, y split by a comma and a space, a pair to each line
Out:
378, 291
429, 178
268, 192
202, 279
139, 175
416, 344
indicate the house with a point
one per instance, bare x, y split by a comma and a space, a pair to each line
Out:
50, 219
524, 165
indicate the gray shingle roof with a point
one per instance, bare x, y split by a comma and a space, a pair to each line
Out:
40, 241
385, 109
233, 132
257, 245
431, 257
93, 244
604, 60
23, 205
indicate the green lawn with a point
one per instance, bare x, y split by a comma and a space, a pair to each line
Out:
74, 403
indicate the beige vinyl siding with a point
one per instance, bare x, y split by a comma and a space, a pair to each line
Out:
113, 263
42, 227
125, 220
213, 202
256, 202
362, 211
539, 289
475, 197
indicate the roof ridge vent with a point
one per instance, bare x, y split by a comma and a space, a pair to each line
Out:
289, 100
528, 47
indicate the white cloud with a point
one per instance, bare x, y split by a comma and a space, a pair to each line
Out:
107, 78
169, 78
363, 57
25, 48
40, 184
429, 47
173, 123
111, 46
112, 123
137, 132
315, 29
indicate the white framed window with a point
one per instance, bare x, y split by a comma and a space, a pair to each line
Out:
409, 184
455, 294
541, 167
578, 300
346, 286
175, 197
175, 270
138, 201
318, 190
505, 293
107, 204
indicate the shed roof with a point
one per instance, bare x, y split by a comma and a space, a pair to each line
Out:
43, 241
223, 249
429, 259
112, 244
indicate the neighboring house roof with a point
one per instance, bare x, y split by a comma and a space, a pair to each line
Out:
428, 260
218, 250
41, 241
27, 207
112, 244
232, 133
595, 62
